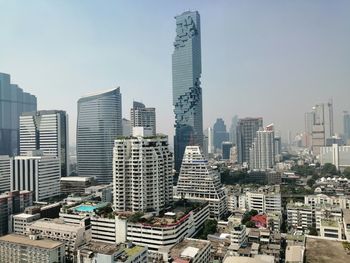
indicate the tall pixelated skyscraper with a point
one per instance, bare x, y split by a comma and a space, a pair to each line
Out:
187, 93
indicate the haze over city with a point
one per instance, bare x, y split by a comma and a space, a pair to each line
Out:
273, 59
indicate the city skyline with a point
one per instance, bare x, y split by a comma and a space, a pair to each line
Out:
291, 45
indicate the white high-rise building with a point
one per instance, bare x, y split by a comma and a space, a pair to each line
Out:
262, 151
318, 129
210, 140
47, 131
37, 173
142, 172
5, 173
140, 116
198, 181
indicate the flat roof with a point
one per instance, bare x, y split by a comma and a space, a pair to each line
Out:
24, 240
55, 224
76, 178
320, 250
295, 253
24, 215
189, 247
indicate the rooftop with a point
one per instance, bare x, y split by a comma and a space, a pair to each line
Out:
329, 223
55, 225
188, 248
24, 215
323, 251
77, 178
24, 240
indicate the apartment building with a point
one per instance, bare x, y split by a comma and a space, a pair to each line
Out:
18, 248
21, 221
191, 250
198, 181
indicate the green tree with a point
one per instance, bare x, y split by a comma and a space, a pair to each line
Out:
311, 182
312, 231
346, 172
250, 224
329, 168
208, 228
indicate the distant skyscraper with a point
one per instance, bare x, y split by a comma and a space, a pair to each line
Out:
126, 127
198, 181
187, 93
46, 131
140, 116
220, 133
262, 151
142, 172
346, 125
13, 102
226, 150
210, 140
99, 123
233, 130
278, 148
318, 129
309, 122
246, 132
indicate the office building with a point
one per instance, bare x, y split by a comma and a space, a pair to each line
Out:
346, 127
73, 236
233, 130
99, 123
318, 129
210, 140
5, 173
47, 131
198, 181
75, 184
336, 155
187, 92
262, 151
246, 132
13, 102
140, 116
17, 248
142, 172
37, 173
220, 133
309, 121
191, 250
226, 150
12, 203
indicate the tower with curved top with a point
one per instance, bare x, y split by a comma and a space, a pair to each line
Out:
187, 92
99, 123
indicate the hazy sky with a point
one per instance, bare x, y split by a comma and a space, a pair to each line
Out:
273, 59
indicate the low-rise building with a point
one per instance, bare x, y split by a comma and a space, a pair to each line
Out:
111, 253
21, 221
73, 236
331, 228
346, 223
18, 248
191, 250
299, 215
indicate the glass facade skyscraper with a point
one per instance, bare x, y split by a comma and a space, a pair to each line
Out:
13, 102
99, 123
187, 93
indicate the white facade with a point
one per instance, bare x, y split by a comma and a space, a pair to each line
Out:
299, 215
18, 248
198, 181
331, 228
336, 155
40, 174
334, 201
142, 174
159, 238
5, 173
21, 221
262, 152
264, 202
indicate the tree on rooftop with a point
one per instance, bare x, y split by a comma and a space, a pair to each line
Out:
346, 172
